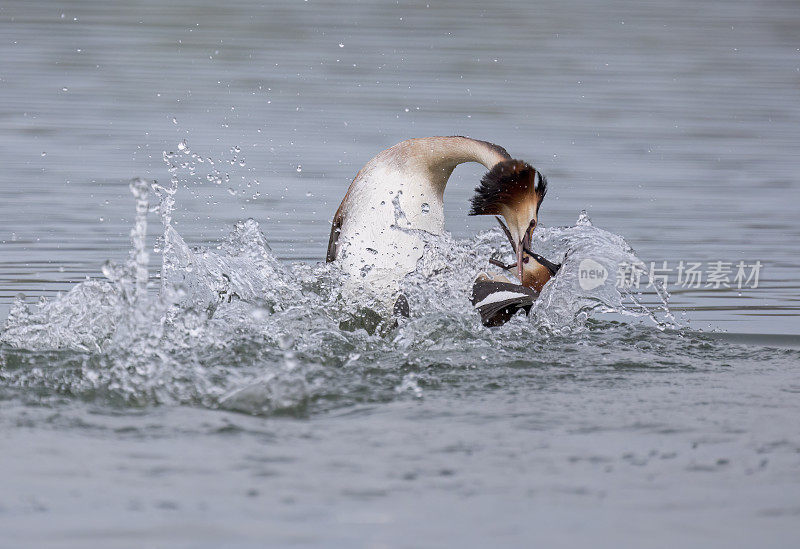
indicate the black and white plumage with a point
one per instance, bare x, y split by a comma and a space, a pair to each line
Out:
498, 301
377, 232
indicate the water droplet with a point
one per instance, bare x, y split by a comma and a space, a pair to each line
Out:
285, 342
426, 208
583, 219
65, 89
259, 314
182, 145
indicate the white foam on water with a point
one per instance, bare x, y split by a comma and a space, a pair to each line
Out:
233, 327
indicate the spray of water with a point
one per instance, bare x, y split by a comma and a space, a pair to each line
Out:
232, 327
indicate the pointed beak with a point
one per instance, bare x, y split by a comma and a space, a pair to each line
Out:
520, 246
524, 244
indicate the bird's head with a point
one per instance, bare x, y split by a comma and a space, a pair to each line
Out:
514, 189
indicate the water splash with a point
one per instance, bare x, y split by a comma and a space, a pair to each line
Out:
140, 259
232, 327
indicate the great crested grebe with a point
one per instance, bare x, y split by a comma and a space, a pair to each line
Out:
376, 235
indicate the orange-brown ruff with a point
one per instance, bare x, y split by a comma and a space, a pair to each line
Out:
515, 190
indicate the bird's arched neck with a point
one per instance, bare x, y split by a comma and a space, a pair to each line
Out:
402, 187
437, 157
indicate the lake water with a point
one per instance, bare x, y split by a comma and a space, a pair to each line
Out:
276, 419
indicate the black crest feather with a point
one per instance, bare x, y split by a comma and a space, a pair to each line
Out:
507, 182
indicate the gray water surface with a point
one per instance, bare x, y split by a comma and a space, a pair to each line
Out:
675, 125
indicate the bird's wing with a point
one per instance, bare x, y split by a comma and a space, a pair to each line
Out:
336, 228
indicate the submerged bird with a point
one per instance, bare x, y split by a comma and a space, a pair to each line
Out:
377, 234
